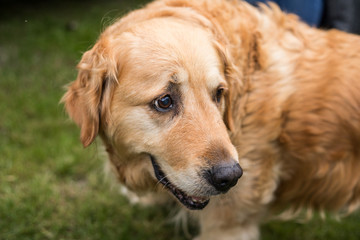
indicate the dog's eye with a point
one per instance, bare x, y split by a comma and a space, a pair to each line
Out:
219, 94
163, 103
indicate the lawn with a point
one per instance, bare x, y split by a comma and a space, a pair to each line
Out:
50, 187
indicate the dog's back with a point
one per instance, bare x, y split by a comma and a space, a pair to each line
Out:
320, 140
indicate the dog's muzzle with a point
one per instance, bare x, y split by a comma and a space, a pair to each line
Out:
222, 177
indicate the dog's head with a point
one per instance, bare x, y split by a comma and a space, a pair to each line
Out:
157, 93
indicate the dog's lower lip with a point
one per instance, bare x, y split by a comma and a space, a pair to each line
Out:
191, 202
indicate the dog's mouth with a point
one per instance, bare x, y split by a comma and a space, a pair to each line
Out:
191, 202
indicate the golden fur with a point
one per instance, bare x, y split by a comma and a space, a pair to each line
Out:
290, 113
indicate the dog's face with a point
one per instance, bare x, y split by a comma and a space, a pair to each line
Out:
159, 104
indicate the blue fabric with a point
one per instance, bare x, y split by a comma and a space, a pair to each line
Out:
310, 11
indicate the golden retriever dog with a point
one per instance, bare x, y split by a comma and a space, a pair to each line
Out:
235, 111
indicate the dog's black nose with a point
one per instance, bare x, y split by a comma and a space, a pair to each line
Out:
224, 176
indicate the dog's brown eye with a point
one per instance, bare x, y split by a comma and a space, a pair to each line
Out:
219, 94
163, 103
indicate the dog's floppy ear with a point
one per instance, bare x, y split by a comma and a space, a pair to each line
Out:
239, 79
229, 72
85, 99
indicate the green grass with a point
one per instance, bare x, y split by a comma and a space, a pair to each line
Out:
50, 187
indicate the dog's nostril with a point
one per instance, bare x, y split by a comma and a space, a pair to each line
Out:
224, 176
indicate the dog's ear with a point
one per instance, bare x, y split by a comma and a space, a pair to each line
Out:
85, 100
229, 73
239, 79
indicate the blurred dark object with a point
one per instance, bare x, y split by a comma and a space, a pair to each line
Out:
341, 14
310, 11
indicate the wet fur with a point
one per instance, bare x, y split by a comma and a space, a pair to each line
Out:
292, 111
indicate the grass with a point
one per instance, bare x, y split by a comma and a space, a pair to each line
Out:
50, 187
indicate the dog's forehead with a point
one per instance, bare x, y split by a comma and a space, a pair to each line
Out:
211, 79
162, 50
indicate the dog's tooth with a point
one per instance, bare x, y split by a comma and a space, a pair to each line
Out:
197, 199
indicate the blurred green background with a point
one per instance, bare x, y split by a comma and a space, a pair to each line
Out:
50, 187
